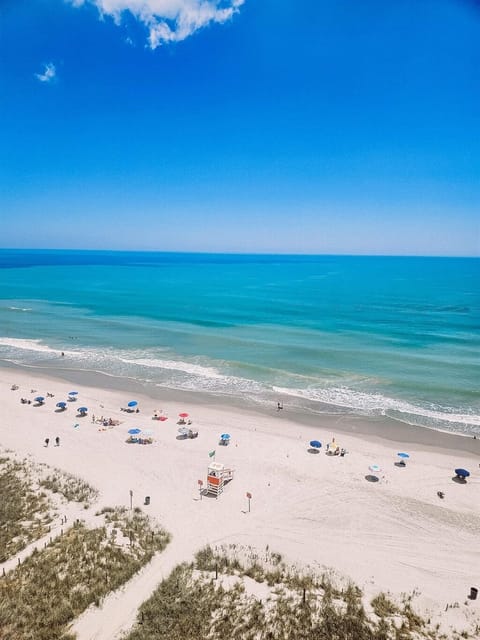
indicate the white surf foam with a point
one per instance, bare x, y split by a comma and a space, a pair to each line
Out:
175, 365
27, 345
378, 404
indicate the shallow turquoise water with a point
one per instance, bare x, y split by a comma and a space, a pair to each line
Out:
368, 335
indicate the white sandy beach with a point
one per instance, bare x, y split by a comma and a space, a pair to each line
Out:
394, 535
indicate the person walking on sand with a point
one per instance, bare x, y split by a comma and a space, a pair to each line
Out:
57, 441
47, 440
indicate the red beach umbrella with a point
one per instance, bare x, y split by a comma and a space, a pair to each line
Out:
183, 415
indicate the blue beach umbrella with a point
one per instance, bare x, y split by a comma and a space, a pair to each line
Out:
404, 456
134, 432
83, 410
374, 468
40, 399
462, 473
61, 405
132, 403
225, 436
316, 444
73, 393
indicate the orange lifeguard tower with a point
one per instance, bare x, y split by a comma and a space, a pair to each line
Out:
217, 477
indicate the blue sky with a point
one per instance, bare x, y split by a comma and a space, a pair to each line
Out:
315, 126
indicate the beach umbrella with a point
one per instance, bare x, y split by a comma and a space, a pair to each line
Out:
183, 415
61, 405
132, 403
40, 399
83, 410
163, 418
225, 436
183, 431
462, 473
316, 444
402, 455
374, 468
73, 393
134, 432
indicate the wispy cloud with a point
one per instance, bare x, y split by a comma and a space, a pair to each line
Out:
167, 20
48, 74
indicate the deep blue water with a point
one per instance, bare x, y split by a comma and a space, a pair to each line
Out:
368, 335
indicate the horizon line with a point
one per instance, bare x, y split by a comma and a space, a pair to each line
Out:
242, 253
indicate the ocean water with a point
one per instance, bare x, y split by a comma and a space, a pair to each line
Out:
389, 336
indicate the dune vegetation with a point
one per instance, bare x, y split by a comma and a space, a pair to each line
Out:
71, 487
25, 512
41, 596
236, 594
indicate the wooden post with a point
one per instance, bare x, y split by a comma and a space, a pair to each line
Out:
249, 497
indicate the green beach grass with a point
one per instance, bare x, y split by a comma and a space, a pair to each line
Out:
71, 487
218, 597
53, 586
25, 512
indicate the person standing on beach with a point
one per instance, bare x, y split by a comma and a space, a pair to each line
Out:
57, 441
47, 440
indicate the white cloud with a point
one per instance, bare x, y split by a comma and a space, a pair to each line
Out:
48, 74
167, 20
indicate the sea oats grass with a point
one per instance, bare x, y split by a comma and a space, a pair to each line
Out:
25, 512
213, 599
71, 487
40, 597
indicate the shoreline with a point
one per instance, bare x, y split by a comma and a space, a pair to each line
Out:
382, 428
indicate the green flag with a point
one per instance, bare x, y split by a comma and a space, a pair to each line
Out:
211, 454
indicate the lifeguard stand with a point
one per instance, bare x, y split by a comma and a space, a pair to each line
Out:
216, 478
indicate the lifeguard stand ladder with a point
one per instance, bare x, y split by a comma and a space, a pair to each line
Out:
217, 475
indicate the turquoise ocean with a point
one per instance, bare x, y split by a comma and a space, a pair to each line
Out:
370, 336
